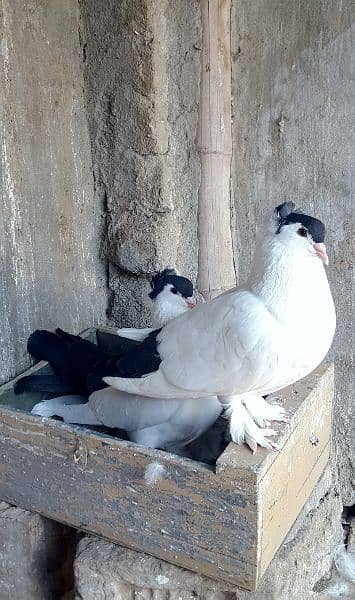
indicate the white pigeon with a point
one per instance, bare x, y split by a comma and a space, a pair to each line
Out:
172, 295
253, 340
154, 422
157, 423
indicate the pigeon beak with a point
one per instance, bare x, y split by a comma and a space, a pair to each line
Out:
321, 251
191, 303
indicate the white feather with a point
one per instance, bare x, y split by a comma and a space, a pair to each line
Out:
154, 472
167, 306
134, 334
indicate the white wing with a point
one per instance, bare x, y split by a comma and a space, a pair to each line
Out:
133, 412
72, 409
223, 347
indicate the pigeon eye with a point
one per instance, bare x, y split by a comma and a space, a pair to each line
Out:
302, 232
174, 291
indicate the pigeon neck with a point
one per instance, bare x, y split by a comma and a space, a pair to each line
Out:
165, 310
287, 280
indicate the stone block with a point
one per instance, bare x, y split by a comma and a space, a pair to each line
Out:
36, 556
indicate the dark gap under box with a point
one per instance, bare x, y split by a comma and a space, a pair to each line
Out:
225, 522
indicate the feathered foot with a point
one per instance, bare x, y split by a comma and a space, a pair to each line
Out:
262, 412
243, 429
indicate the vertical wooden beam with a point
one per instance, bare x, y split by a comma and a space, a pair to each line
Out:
216, 264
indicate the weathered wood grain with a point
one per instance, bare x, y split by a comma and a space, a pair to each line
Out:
286, 485
189, 517
226, 523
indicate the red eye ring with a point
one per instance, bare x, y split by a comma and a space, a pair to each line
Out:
302, 231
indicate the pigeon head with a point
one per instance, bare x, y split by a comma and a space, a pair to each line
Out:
303, 231
172, 294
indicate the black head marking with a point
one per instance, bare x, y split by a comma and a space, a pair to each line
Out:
162, 278
287, 215
282, 210
159, 276
315, 227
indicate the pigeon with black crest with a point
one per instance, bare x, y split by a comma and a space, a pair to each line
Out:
172, 295
74, 358
159, 423
249, 342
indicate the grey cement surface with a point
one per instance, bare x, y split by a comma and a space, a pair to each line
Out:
50, 221
142, 73
293, 95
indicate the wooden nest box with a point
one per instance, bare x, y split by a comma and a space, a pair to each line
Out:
225, 522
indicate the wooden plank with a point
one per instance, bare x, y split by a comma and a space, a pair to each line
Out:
297, 399
190, 517
290, 479
284, 481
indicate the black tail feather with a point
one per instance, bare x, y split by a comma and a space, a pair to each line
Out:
45, 345
69, 337
78, 364
70, 357
52, 384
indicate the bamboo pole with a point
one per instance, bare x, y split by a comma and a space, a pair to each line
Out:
216, 264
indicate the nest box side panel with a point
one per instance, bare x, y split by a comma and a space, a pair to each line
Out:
172, 508
287, 484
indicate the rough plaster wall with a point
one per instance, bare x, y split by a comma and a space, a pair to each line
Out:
50, 223
292, 101
142, 74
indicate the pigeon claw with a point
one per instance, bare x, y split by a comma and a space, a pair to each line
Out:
244, 429
259, 438
262, 412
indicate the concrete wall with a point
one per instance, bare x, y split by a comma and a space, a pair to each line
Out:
142, 72
50, 221
292, 101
